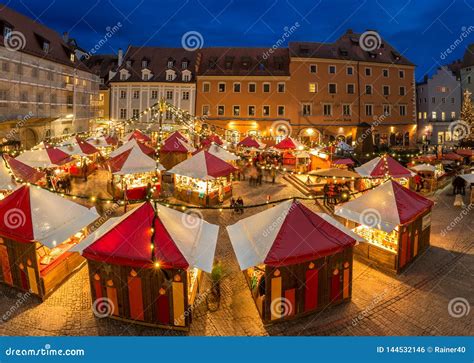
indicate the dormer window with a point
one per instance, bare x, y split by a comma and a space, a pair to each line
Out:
228, 62
72, 57
184, 64
124, 74
186, 76
146, 74
170, 75
46, 46
128, 63
7, 31
144, 63
245, 62
170, 63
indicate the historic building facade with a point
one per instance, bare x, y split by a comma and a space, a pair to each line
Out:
467, 71
45, 91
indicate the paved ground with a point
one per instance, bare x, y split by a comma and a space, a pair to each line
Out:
414, 303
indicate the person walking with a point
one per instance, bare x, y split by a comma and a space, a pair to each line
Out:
240, 205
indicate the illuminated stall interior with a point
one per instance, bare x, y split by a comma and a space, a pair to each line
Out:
148, 263
380, 168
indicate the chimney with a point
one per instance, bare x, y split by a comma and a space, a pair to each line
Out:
66, 37
120, 57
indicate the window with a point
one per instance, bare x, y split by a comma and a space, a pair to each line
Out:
72, 58
170, 63
403, 110
443, 100
368, 89
123, 76
168, 115
6, 32
346, 110
419, 115
184, 64
5, 67
266, 87
186, 77
332, 69
136, 94
154, 95
313, 88
327, 109
169, 95
252, 87
386, 110
368, 71
236, 110
433, 115
251, 111
123, 113
386, 90
425, 115
401, 74
281, 87
236, 87
206, 87
281, 110
123, 94
306, 109
385, 73
313, 68
53, 98
350, 88
45, 47
266, 111
469, 79
332, 88
221, 87
34, 72
144, 63
453, 115
452, 99
205, 110
185, 95
135, 113
350, 70
433, 99
368, 110
402, 91
443, 116
170, 76
23, 96
3, 95
220, 110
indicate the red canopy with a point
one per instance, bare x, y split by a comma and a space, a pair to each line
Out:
452, 156
343, 162
249, 142
138, 135
287, 143
465, 152
203, 165
22, 171
129, 242
381, 167
86, 147
111, 140
146, 149
428, 158
212, 139
176, 143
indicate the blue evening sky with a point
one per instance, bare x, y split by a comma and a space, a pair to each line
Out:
421, 29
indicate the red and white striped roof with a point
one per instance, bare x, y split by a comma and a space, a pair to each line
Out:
78, 147
288, 234
6, 180
133, 144
44, 157
181, 240
137, 135
289, 144
132, 161
102, 141
177, 143
22, 171
203, 165
212, 139
34, 214
382, 167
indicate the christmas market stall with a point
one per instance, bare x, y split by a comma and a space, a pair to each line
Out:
320, 159
137, 135
378, 169
146, 266
203, 179
175, 149
222, 153
212, 139
134, 175
394, 221
345, 163
23, 173
429, 175
104, 143
250, 143
86, 154
467, 154
37, 231
147, 150
7, 180
295, 261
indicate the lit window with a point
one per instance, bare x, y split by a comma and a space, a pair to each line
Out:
312, 88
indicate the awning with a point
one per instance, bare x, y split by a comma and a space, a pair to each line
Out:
6, 180
203, 165
249, 142
77, 147
34, 214
343, 162
44, 157
212, 139
382, 167
177, 143
423, 167
133, 144
289, 144
222, 153
181, 240
287, 234
137, 135
132, 161
22, 171
385, 207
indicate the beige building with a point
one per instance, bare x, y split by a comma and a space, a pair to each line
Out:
45, 91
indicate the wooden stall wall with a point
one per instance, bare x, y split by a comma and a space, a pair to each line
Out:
148, 296
169, 160
304, 288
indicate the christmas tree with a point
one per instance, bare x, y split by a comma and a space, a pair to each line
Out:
466, 135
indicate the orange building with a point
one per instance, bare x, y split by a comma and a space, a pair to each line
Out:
243, 90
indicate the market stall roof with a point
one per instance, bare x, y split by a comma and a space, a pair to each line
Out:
137, 135
381, 167
44, 157
465, 152
345, 161
133, 161
78, 147
133, 144
344, 146
212, 139
204, 166
423, 167
222, 153
181, 240
427, 158
249, 142
334, 172
34, 214
452, 157
102, 141
22, 171
385, 207
468, 177
287, 234
177, 143
289, 143
6, 181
